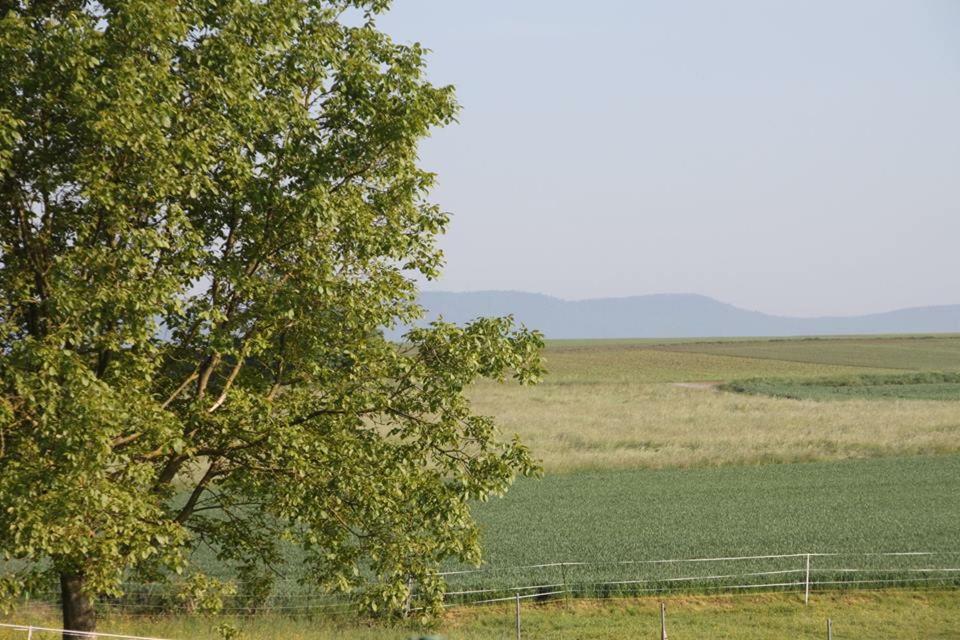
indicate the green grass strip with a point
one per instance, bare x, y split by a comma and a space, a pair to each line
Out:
908, 386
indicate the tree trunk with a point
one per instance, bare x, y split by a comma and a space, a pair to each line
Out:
78, 612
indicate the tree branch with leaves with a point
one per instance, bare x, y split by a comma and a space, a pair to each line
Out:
209, 212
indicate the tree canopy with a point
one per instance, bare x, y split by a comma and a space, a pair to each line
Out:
209, 211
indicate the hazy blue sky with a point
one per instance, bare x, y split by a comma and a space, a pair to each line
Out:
791, 157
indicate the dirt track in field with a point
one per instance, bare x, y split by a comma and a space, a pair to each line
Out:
711, 386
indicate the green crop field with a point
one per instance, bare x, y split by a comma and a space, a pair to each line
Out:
641, 362
881, 505
616, 521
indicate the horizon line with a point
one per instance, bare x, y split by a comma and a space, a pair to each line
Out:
692, 295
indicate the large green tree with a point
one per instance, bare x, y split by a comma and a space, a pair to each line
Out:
209, 212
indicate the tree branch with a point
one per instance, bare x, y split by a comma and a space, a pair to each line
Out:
206, 370
226, 385
180, 389
188, 508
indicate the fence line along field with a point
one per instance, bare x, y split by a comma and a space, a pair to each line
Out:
891, 614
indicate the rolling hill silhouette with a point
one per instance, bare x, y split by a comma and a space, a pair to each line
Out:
670, 316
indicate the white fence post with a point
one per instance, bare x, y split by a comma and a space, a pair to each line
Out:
563, 580
518, 615
806, 592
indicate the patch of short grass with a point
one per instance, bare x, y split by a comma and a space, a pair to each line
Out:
911, 386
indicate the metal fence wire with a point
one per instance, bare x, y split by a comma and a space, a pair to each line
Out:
795, 572
798, 572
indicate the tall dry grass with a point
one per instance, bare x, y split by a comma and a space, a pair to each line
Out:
618, 406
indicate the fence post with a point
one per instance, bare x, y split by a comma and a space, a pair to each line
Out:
518, 615
563, 579
829, 629
29, 633
663, 621
806, 592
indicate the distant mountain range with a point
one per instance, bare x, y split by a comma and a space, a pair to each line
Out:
670, 316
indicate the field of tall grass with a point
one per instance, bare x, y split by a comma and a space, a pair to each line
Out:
623, 425
628, 404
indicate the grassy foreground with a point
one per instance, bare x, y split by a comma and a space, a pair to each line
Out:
892, 615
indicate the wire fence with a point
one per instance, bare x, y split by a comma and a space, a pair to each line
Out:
803, 573
798, 572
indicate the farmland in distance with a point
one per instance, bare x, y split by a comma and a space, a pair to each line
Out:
645, 404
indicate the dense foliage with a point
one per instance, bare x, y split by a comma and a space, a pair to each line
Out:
209, 209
